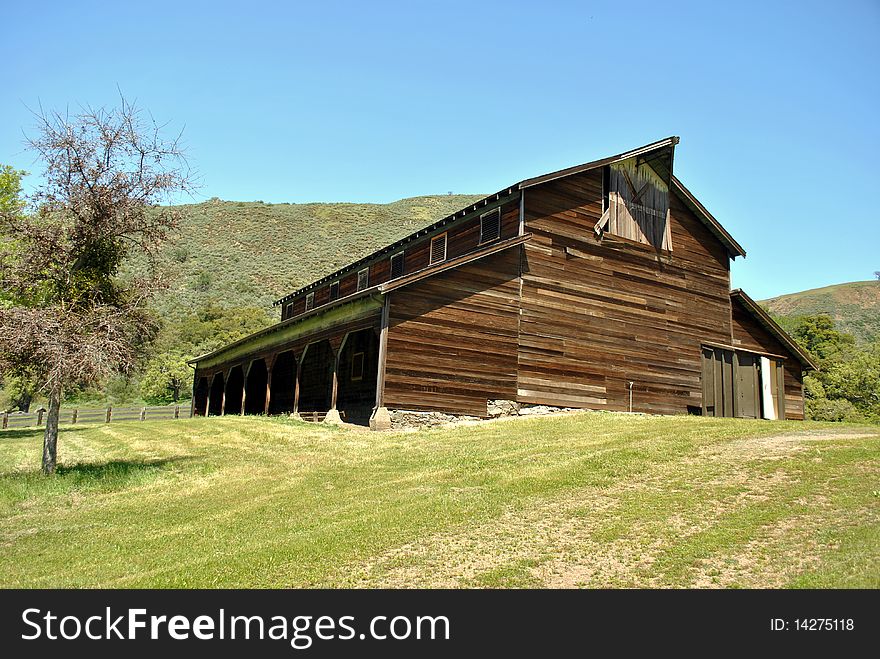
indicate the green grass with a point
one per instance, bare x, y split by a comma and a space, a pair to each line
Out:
855, 307
591, 499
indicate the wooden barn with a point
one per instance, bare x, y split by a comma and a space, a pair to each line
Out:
603, 286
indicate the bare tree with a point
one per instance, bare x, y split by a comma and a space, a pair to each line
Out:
73, 319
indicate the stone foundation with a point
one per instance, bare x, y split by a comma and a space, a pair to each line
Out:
403, 419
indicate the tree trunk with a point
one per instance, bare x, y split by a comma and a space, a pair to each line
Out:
50, 438
175, 389
24, 401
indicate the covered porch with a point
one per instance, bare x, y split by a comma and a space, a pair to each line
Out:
324, 367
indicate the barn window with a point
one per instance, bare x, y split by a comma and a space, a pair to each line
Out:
357, 366
396, 265
438, 249
363, 279
490, 226
635, 202
288, 311
334, 291
310, 301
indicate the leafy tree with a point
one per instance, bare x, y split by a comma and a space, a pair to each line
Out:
837, 409
11, 202
18, 392
857, 380
818, 335
847, 385
166, 379
70, 318
11, 206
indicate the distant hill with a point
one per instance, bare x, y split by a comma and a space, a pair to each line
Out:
251, 253
855, 307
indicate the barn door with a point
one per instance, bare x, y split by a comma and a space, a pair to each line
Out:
718, 385
748, 389
776, 385
780, 389
639, 204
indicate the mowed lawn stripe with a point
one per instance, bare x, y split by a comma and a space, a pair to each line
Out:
272, 502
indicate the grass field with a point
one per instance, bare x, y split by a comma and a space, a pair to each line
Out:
589, 499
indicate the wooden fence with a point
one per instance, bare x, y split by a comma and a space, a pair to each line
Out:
95, 415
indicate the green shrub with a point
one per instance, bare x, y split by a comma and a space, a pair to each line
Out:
838, 409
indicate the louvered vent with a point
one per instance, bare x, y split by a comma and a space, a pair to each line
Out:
490, 226
310, 301
334, 291
438, 249
363, 279
396, 265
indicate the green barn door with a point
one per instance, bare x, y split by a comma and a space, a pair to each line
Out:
717, 377
748, 388
708, 378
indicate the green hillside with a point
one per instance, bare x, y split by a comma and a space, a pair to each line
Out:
251, 253
855, 307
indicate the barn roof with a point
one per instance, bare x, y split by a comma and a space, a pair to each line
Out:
763, 318
658, 154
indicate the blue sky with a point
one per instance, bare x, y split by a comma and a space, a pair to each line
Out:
776, 103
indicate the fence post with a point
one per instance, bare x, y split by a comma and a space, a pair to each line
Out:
109, 413
177, 411
143, 414
5, 420
40, 417
73, 417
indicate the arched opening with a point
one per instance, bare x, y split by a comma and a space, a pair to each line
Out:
356, 377
234, 390
283, 384
215, 400
255, 400
200, 398
316, 378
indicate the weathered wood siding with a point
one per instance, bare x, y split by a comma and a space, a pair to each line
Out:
462, 237
452, 338
751, 335
596, 316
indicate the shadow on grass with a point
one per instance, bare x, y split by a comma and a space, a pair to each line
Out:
115, 469
24, 433
84, 477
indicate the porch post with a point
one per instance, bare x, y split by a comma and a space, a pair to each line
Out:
299, 363
192, 403
244, 388
208, 397
270, 364
244, 377
223, 397
333, 413
381, 418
